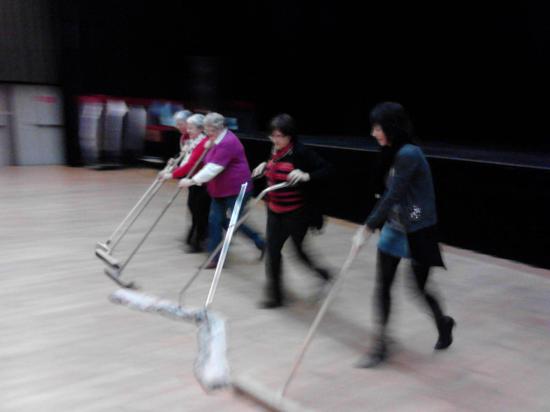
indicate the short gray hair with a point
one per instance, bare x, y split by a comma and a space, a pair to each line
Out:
182, 116
215, 120
196, 120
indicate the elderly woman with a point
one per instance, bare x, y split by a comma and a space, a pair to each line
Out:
225, 170
290, 211
406, 214
180, 121
198, 199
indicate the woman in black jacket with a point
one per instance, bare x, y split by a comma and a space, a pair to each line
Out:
290, 211
406, 215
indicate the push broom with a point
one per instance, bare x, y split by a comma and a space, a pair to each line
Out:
277, 401
110, 244
211, 366
215, 252
114, 267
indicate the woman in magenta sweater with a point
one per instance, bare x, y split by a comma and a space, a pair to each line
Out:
225, 170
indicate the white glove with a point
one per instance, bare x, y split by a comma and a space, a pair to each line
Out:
165, 175
259, 170
297, 176
361, 236
185, 182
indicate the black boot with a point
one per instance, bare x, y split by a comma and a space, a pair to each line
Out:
194, 247
445, 327
271, 304
324, 274
375, 357
274, 298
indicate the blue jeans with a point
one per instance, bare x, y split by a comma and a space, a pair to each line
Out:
220, 212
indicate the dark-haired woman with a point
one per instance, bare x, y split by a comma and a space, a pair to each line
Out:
292, 210
406, 215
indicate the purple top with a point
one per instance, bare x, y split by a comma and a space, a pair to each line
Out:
229, 153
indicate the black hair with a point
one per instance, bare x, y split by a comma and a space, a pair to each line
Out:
394, 121
285, 124
398, 128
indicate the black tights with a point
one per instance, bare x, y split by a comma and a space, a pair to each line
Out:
386, 269
281, 226
198, 202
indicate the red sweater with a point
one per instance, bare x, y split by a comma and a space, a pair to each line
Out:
277, 170
196, 154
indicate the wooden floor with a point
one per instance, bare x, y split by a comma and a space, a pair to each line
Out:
64, 347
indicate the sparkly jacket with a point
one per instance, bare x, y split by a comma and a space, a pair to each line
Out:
410, 187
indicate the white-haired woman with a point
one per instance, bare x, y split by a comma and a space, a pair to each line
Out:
225, 170
180, 121
198, 199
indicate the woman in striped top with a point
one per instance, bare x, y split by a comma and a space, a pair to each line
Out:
290, 210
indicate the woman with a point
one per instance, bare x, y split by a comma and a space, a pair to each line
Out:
290, 211
198, 200
180, 121
406, 213
225, 170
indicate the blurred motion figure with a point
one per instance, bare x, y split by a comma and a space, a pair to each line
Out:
291, 211
406, 214
198, 200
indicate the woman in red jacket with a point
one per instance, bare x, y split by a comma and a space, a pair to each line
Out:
293, 210
198, 199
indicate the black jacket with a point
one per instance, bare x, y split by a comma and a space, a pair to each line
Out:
319, 171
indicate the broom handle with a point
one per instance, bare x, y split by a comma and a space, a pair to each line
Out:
244, 217
144, 238
146, 197
313, 328
239, 223
157, 184
226, 242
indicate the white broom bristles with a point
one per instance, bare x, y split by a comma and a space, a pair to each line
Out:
211, 366
147, 303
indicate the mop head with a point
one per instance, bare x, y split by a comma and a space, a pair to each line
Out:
147, 303
211, 367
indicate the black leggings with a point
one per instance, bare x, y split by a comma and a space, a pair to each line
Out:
198, 202
386, 269
281, 226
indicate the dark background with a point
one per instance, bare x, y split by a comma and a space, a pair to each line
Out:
473, 77
468, 75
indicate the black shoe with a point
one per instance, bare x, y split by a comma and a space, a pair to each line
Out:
445, 327
261, 248
193, 249
212, 265
271, 304
371, 361
374, 358
324, 274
